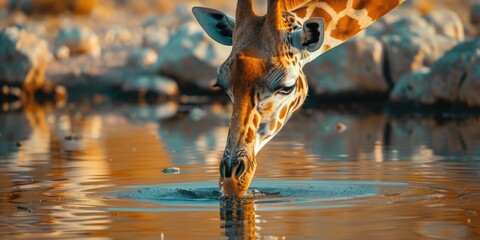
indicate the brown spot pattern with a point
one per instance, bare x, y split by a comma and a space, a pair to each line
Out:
337, 5
301, 12
292, 105
268, 107
319, 12
326, 47
300, 85
283, 112
272, 125
249, 137
255, 120
375, 9
346, 28
279, 125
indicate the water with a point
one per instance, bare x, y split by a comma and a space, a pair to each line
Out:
96, 172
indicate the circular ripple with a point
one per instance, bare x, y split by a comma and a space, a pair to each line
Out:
270, 194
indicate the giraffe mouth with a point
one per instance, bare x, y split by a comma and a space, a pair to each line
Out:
236, 173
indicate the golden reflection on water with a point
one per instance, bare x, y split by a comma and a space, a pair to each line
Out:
57, 166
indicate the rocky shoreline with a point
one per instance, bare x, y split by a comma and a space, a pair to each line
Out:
407, 57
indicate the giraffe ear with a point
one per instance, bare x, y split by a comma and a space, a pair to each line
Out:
310, 37
216, 24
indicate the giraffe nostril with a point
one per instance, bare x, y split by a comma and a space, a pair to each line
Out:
222, 170
240, 170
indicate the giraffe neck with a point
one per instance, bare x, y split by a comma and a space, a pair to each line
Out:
343, 18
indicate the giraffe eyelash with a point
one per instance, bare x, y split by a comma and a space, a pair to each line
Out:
277, 77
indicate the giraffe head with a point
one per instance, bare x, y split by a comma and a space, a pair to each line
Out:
263, 77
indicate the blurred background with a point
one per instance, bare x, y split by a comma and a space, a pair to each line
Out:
97, 96
152, 50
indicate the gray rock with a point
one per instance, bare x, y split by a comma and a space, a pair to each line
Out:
171, 170
453, 78
411, 44
413, 87
470, 90
78, 39
446, 23
23, 58
355, 66
155, 37
119, 35
62, 52
143, 57
475, 13
191, 56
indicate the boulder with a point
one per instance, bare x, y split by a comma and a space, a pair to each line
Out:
411, 43
155, 37
62, 52
413, 87
475, 15
455, 75
453, 78
475, 12
78, 39
446, 23
118, 35
355, 66
23, 58
192, 57
470, 90
142, 57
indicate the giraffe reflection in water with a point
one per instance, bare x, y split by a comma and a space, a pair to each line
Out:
238, 219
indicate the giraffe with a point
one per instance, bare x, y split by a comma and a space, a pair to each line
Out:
263, 74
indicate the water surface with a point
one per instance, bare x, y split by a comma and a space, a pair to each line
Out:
96, 173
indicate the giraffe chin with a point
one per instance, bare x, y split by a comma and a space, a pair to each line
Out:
231, 188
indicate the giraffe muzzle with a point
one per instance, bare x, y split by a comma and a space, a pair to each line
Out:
235, 170
236, 173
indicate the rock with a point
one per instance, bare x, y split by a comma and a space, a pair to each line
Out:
156, 85
475, 15
118, 34
413, 87
23, 58
446, 23
171, 170
143, 57
191, 57
353, 67
155, 37
340, 127
62, 52
411, 44
453, 78
79, 40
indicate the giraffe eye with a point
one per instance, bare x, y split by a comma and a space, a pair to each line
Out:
286, 90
